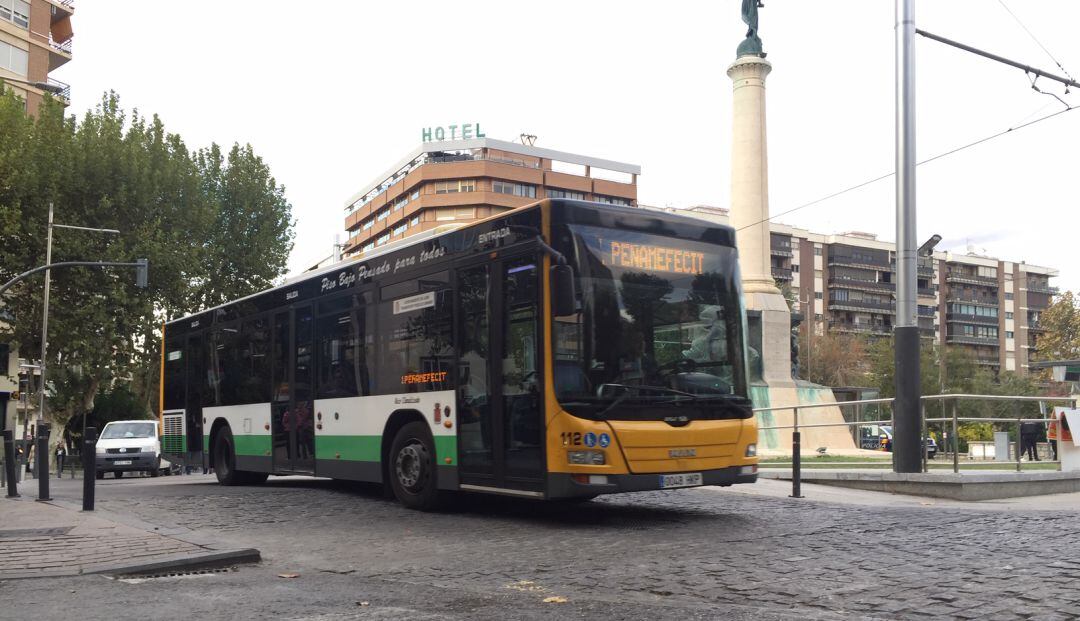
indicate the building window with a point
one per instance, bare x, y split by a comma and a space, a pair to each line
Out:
385, 237
385, 213
817, 250
12, 58
399, 229
817, 295
15, 11
986, 272
400, 204
1008, 334
453, 187
415, 221
445, 214
554, 193
1008, 315
368, 224
367, 246
415, 194
516, 189
612, 200
795, 268
1008, 296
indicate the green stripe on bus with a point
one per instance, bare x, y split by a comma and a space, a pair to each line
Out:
252, 445
369, 448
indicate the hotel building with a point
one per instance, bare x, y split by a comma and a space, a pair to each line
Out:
453, 182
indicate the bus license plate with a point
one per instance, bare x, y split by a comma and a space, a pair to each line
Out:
686, 479
123, 462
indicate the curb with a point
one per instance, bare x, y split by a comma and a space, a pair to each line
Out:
214, 559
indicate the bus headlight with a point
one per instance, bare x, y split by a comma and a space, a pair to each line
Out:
751, 450
586, 458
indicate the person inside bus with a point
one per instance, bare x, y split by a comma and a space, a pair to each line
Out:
711, 345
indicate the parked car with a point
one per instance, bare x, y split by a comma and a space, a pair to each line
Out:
130, 446
885, 434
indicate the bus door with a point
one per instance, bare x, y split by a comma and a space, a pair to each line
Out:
291, 413
500, 435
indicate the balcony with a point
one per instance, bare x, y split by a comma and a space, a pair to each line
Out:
979, 319
964, 339
781, 251
856, 283
972, 279
926, 311
860, 261
781, 273
886, 308
1035, 326
65, 92
989, 362
1042, 288
855, 327
954, 297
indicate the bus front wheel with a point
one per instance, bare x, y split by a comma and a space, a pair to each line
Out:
412, 467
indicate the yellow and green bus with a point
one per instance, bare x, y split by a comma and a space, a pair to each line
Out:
564, 349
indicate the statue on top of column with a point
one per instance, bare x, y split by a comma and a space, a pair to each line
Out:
751, 45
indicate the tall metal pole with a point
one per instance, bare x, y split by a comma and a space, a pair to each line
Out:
906, 413
45, 317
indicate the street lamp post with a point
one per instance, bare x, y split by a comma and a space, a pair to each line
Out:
45, 300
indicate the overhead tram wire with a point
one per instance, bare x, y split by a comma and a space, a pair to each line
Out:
1036, 40
926, 161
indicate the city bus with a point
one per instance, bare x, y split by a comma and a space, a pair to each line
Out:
561, 350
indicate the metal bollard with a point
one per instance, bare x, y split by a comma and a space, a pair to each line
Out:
89, 453
9, 463
796, 464
43, 461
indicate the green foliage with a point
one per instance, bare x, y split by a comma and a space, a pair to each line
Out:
1061, 319
214, 228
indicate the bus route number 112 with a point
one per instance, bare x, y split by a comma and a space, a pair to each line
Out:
571, 438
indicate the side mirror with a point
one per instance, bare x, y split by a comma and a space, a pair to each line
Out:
563, 295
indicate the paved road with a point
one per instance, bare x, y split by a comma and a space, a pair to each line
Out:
705, 553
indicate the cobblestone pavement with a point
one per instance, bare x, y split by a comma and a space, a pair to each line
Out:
697, 553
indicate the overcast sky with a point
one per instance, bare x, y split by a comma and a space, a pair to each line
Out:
333, 93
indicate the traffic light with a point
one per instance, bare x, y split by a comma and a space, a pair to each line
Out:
142, 273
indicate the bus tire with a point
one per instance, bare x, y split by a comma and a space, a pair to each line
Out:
225, 458
412, 468
255, 478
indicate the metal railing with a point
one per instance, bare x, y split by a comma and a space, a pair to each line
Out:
954, 420
65, 88
64, 46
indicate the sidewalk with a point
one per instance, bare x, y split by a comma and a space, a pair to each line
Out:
47, 539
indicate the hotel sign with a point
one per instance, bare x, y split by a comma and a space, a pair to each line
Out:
465, 131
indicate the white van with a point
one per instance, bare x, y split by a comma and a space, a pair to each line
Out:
129, 446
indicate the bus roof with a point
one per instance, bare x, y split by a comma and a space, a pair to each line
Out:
614, 213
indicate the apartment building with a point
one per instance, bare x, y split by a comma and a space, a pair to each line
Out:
35, 40
453, 182
847, 283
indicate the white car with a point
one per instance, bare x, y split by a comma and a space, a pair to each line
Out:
130, 446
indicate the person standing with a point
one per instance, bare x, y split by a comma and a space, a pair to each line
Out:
61, 455
1029, 438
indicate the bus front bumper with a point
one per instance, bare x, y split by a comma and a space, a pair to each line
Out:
562, 485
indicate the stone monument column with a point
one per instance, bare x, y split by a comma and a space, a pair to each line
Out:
750, 173
750, 211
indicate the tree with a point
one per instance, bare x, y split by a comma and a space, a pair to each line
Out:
213, 229
1061, 320
834, 359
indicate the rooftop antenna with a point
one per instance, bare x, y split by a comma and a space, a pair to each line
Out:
528, 139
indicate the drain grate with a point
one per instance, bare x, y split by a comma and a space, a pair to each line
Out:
19, 533
180, 573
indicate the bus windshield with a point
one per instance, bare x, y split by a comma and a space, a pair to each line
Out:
658, 332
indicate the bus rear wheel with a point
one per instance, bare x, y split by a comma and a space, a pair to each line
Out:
412, 468
225, 458
225, 463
